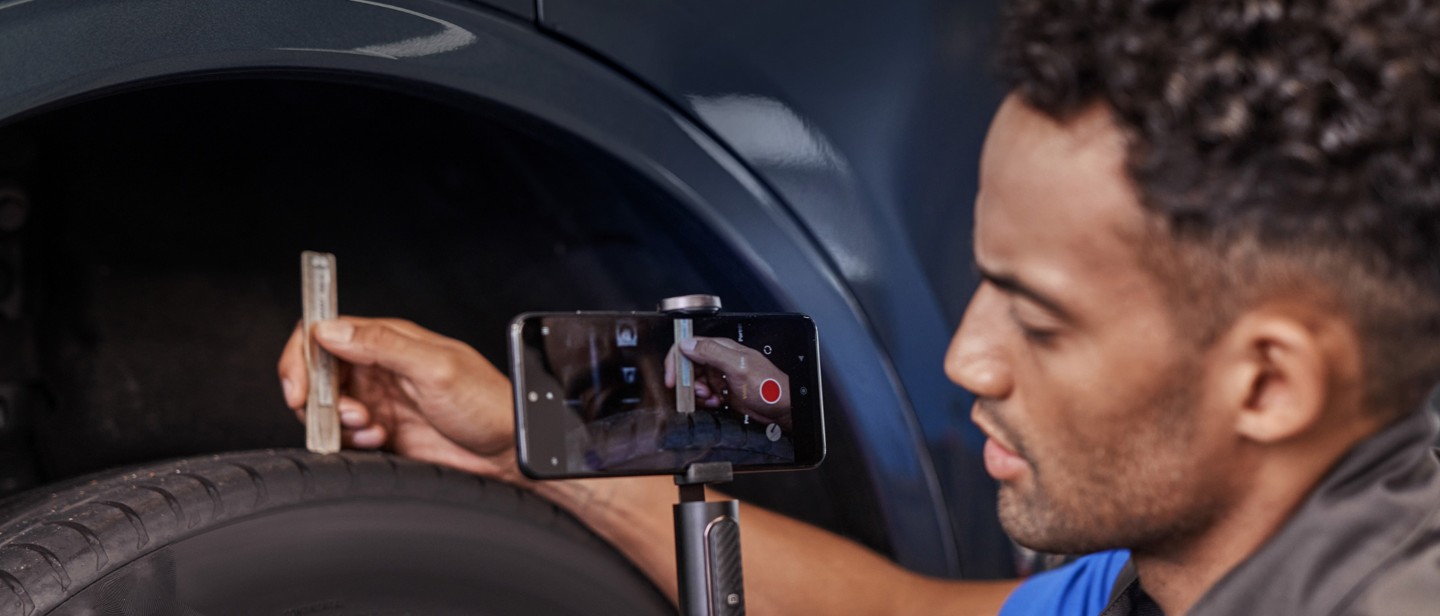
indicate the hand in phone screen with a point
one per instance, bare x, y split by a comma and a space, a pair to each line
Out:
733, 376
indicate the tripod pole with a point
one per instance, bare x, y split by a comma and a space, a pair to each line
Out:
707, 545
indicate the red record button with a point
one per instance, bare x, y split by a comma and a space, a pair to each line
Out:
770, 391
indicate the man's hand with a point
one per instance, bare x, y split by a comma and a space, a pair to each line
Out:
414, 392
728, 372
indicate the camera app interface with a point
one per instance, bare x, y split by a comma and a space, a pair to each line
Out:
648, 393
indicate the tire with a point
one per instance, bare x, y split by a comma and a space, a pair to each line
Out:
291, 533
644, 439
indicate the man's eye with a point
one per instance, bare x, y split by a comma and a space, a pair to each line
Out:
1038, 336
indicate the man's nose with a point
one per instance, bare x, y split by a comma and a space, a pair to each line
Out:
976, 359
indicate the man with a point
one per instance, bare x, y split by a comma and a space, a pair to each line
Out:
1209, 318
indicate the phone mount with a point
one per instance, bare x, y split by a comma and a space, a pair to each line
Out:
707, 533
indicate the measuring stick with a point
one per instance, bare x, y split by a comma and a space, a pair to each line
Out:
322, 416
684, 369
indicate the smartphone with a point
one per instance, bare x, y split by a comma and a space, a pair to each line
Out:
618, 394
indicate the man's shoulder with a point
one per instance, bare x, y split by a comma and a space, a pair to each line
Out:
1407, 580
1407, 583
1366, 542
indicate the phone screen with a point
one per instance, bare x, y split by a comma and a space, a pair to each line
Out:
614, 394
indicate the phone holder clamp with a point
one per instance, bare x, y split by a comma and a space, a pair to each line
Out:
690, 304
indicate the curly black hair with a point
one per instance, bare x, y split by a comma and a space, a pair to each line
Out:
1260, 132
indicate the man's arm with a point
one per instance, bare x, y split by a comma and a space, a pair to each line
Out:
433, 398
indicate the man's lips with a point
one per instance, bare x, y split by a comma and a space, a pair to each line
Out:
1001, 461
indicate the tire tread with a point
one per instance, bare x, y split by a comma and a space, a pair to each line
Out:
257, 480
142, 536
27, 605
177, 509
61, 574
89, 529
92, 539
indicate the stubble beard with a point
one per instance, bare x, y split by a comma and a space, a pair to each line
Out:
1135, 490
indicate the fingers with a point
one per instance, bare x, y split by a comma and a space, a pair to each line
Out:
709, 389
369, 437
353, 413
670, 367
358, 430
357, 427
294, 380
399, 346
395, 344
741, 364
716, 390
712, 352
729, 344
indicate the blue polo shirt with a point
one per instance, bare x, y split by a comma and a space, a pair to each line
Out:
1081, 588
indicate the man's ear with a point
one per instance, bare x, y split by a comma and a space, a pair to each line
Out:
1276, 372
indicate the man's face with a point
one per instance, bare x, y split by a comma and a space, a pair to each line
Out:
1092, 398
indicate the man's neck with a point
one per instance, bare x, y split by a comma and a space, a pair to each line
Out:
1176, 576
1178, 573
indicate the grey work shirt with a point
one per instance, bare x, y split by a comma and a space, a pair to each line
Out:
1366, 542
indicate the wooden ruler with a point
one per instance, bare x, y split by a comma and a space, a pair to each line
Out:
684, 369
322, 415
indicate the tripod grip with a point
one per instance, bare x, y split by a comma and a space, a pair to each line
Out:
722, 549
708, 546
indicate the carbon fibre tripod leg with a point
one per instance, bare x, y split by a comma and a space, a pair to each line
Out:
707, 546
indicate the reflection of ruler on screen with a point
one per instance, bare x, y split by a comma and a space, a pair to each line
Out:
684, 370
322, 418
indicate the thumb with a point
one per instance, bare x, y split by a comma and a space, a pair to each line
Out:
373, 343
710, 352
